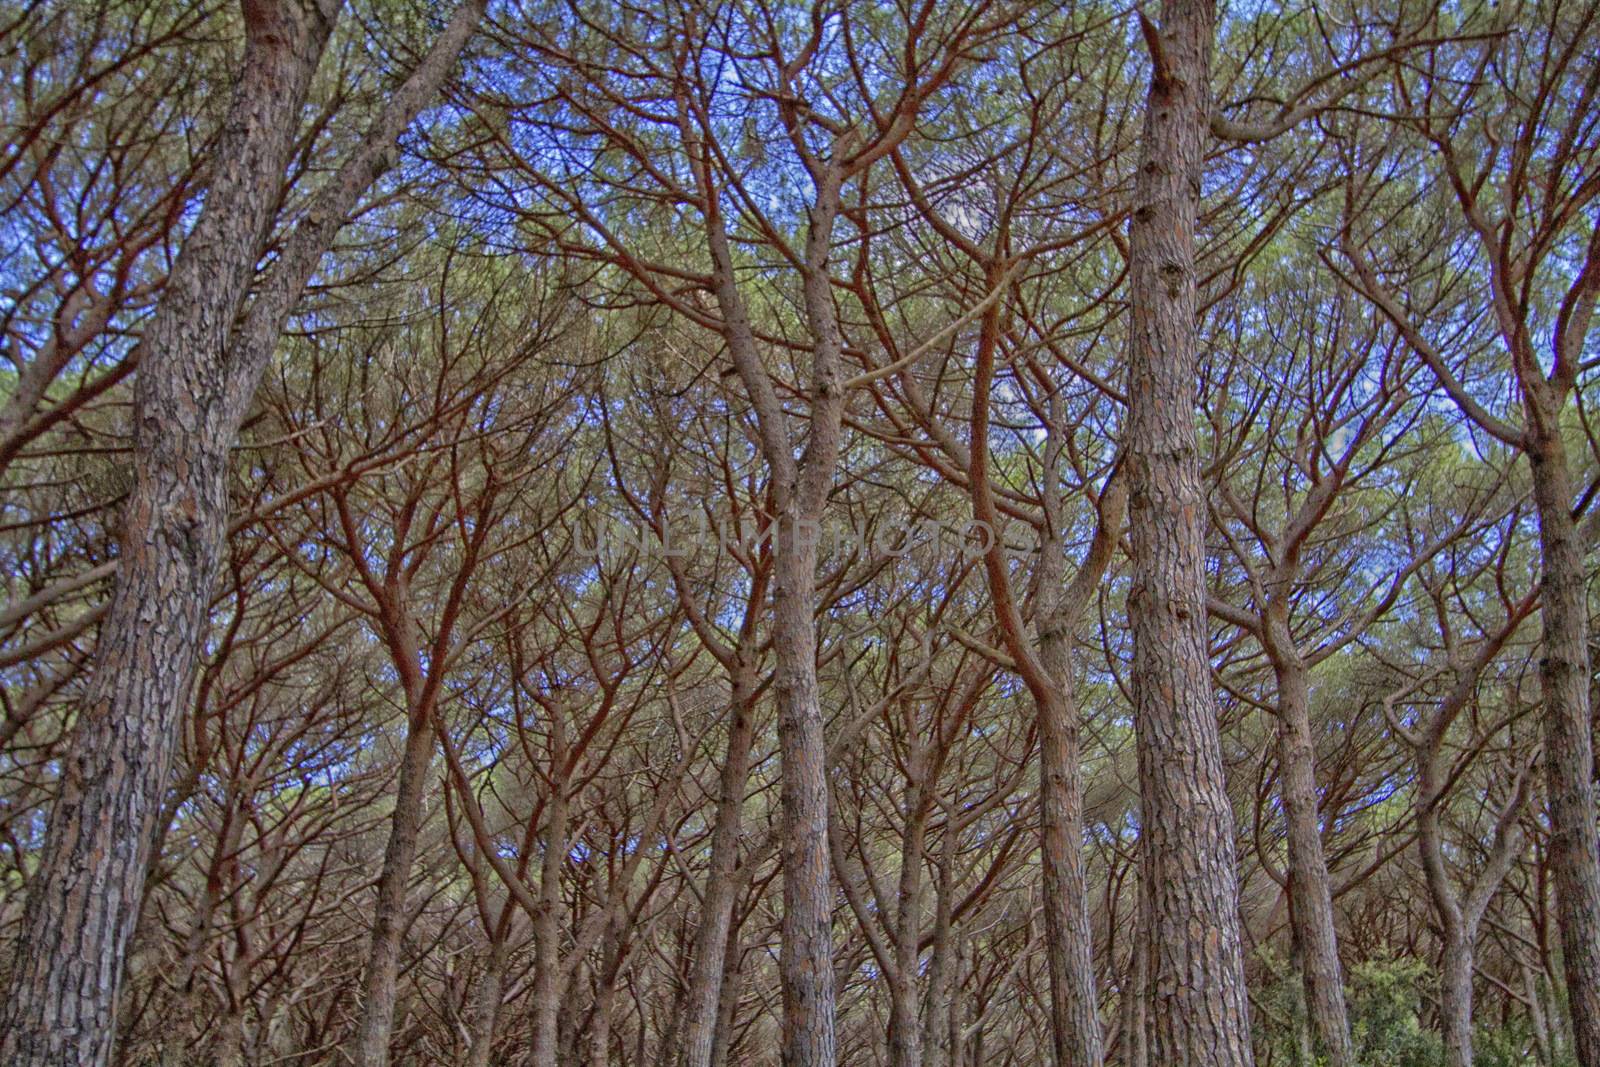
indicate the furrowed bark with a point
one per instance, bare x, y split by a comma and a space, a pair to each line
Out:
1564, 679
199, 366
1198, 1011
84, 899
722, 1039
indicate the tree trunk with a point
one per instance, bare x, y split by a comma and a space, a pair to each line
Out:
370, 1044
199, 364
711, 939
800, 490
1135, 1025
1564, 677
605, 991
1310, 888
905, 1007
1455, 998
547, 926
806, 966
1543, 1049
486, 1004
800, 493
1459, 914
957, 1021
1074, 1001
941, 973
728, 1001
227, 1047
1075, 1006
84, 899
1197, 1007
1074, 985
905, 1023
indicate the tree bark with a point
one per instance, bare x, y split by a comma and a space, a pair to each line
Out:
199, 364
722, 1040
546, 993
721, 890
1135, 1025
84, 899
1458, 930
941, 973
486, 1003
1455, 999
227, 1047
1047, 672
605, 991
370, 1044
1564, 679
905, 1005
1310, 888
806, 966
1198, 1011
1078, 1038
1069, 937
800, 490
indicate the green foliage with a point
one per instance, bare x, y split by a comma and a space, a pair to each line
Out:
1387, 1019
1385, 1022
1510, 1046
1279, 1016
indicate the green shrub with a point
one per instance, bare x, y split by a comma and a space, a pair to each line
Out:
1385, 1022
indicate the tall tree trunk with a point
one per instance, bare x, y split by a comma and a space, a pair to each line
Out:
721, 888
670, 1047
1069, 936
200, 362
806, 966
369, 1046
957, 1022
1135, 1028
905, 1007
1198, 1011
905, 1023
1564, 678
1047, 672
546, 992
569, 1025
800, 490
1310, 887
941, 973
1074, 985
1074, 995
84, 899
1543, 1049
605, 990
